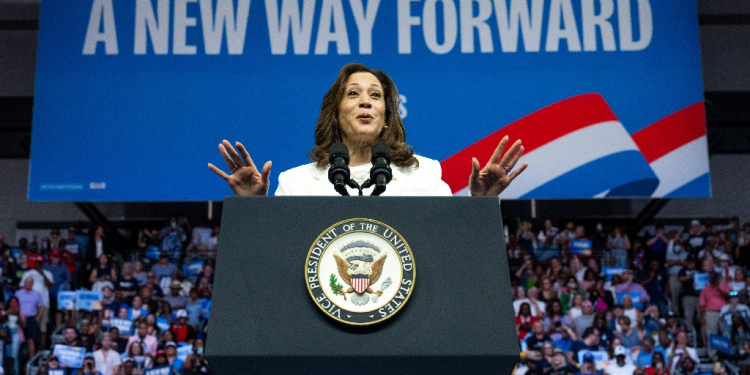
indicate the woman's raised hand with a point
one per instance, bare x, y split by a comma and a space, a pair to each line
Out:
244, 177
496, 174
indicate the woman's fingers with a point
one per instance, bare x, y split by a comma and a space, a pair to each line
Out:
511, 152
518, 171
498, 151
225, 156
218, 171
245, 155
515, 158
265, 173
233, 155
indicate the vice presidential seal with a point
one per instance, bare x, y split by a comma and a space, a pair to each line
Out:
360, 271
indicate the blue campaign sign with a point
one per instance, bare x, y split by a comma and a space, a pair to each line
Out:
207, 307
184, 350
70, 356
162, 323
123, 325
720, 343
580, 247
611, 271
56, 371
701, 280
88, 300
66, 300
141, 92
634, 296
162, 370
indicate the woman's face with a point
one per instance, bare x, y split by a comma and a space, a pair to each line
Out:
525, 310
362, 109
102, 259
546, 284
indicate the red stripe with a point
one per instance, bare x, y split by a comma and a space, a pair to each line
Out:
672, 132
536, 130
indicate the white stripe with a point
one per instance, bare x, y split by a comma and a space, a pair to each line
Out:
681, 166
569, 152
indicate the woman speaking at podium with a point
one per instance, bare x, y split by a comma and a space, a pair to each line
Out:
360, 109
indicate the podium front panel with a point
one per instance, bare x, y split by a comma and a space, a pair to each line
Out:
459, 317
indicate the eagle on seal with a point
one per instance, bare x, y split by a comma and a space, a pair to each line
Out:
359, 273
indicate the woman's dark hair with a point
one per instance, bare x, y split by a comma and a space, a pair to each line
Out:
521, 308
328, 129
589, 272
550, 307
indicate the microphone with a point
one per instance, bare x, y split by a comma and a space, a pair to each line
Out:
338, 172
381, 173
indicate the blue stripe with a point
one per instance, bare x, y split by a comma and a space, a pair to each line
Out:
699, 187
624, 174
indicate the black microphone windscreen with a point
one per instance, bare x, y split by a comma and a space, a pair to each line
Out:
339, 149
381, 150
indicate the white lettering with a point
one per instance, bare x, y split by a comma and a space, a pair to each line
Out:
157, 27
214, 25
645, 24
332, 10
450, 26
405, 23
555, 32
181, 23
469, 23
365, 21
508, 23
102, 11
591, 22
278, 28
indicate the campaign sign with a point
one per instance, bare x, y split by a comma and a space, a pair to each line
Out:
720, 343
635, 296
162, 370
701, 280
207, 307
125, 326
70, 356
601, 358
88, 300
591, 87
608, 272
56, 371
580, 247
193, 269
162, 323
184, 350
66, 300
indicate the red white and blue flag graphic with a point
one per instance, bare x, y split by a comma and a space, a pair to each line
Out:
579, 144
360, 283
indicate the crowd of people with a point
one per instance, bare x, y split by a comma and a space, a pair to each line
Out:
596, 301
152, 311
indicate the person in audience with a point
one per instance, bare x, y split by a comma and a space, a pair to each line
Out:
645, 354
127, 284
153, 282
529, 361
732, 308
102, 273
42, 281
545, 362
629, 336
88, 367
137, 310
605, 335
186, 333
60, 276
89, 333
172, 236
676, 258
560, 365
576, 304
537, 338
118, 343
658, 365
555, 319
588, 367
589, 342
142, 336
739, 338
107, 360
618, 245
194, 308
696, 238
148, 301
567, 338
547, 293
170, 350
601, 298
621, 366
141, 359
586, 319
98, 245
127, 367
654, 281
15, 322
163, 269
571, 290
678, 350
657, 244
175, 299
32, 307
139, 273
628, 286
524, 320
712, 299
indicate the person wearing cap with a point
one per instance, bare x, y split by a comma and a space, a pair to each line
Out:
529, 361
164, 268
559, 365
731, 308
175, 298
60, 276
186, 333
712, 298
170, 350
107, 360
588, 367
621, 366
725, 269
697, 238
